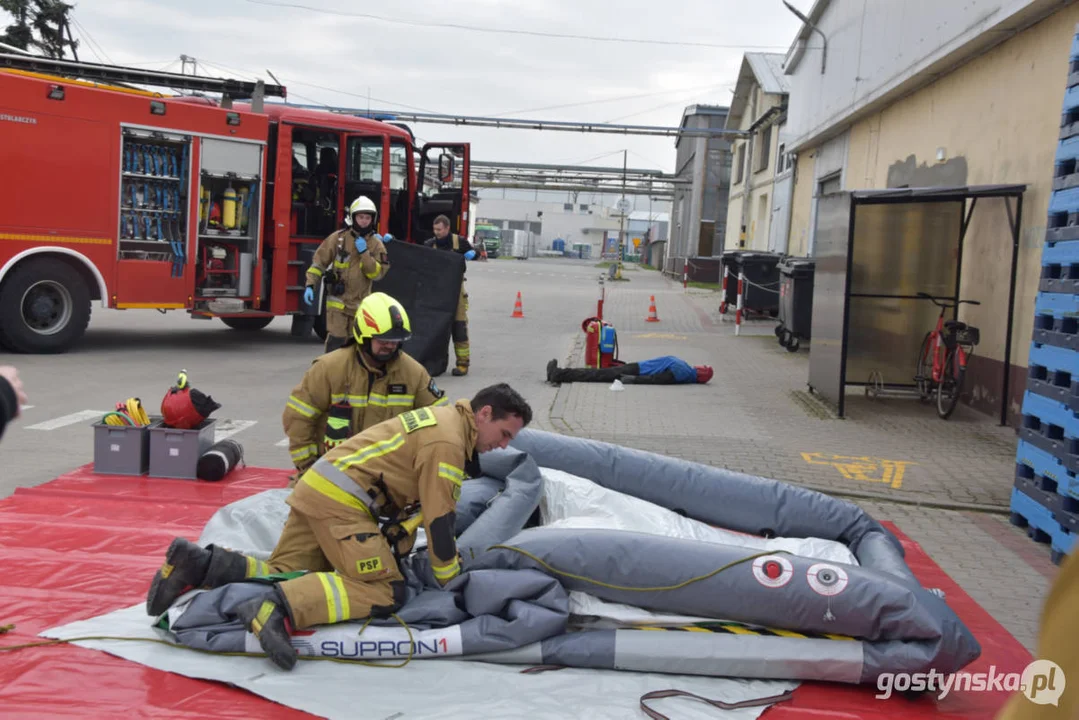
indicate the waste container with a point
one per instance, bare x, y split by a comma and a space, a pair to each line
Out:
795, 301
761, 292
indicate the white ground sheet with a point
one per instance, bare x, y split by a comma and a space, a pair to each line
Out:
447, 688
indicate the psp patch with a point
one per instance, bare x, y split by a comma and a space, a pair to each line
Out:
370, 565
398, 389
413, 420
435, 390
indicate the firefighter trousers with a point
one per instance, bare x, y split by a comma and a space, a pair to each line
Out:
338, 327
353, 573
628, 373
460, 330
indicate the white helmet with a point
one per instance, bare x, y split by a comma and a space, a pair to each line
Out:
362, 204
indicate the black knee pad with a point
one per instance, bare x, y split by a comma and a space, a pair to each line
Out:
460, 331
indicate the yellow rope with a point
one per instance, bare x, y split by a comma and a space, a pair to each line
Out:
658, 588
45, 643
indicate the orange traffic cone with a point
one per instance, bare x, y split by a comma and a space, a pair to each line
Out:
518, 311
652, 317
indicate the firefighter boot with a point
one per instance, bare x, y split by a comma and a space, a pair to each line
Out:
188, 566
267, 617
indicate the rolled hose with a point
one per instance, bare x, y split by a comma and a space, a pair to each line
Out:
219, 460
127, 413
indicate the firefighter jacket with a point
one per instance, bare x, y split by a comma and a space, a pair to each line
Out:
343, 393
415, 461
349, 274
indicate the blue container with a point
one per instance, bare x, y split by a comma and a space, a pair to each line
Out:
559, 245
607, 339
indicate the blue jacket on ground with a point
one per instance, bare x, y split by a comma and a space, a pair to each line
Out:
683, 371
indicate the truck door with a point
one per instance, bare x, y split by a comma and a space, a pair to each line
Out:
367, 172
443, 188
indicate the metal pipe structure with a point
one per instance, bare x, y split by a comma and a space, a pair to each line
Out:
607, 190
523, 124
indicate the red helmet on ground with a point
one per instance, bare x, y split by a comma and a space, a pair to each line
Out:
184, 408
704, 373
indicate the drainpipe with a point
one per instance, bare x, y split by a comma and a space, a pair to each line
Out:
747, 169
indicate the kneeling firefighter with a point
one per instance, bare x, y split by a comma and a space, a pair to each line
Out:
352, 516
350, 389
350, 261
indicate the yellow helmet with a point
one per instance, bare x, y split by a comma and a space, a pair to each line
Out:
380, 317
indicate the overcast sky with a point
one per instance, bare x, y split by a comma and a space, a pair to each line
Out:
324, 53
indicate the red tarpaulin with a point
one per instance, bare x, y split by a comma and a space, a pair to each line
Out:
84, 545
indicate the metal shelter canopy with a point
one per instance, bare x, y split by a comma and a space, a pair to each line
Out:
875, 250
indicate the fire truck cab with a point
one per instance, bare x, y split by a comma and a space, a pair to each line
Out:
186, 202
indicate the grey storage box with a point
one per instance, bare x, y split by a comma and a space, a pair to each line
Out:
122, 449
175, 453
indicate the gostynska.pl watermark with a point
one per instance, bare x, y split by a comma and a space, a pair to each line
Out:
1041, 682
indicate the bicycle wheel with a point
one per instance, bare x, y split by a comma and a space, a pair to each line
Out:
951, 385
923, 374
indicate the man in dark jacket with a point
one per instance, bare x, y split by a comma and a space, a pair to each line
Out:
445, 240
12, 396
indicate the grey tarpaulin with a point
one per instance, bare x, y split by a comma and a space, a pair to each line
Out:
427, 282
808, 618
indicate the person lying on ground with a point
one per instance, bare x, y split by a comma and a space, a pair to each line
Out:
666, 370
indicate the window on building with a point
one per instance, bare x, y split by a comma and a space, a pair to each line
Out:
739, 163
763, 150
781, 159
568, 207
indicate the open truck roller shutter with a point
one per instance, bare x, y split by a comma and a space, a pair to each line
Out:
427, 283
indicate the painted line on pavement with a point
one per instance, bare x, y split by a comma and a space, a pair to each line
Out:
864, 469
79, 417
228, 428
281, 443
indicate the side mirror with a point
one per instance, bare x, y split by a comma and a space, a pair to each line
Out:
445, 167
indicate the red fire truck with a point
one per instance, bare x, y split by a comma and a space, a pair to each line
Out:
141, 200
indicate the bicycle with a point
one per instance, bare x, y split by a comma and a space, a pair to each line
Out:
942, 360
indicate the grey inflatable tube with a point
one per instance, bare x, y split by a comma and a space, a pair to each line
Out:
777, 615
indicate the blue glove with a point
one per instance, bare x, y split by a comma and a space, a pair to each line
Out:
309, 295
470, 254
387, 238
361, 245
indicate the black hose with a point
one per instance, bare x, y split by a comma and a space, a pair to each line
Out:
219, 460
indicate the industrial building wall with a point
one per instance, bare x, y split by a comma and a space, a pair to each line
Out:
995, 119
749, 211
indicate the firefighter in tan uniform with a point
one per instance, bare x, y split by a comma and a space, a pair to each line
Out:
444, 240
353, 513
350, 260
354, 387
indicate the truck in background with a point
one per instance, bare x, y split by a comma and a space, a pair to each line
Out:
213, 207
490, 236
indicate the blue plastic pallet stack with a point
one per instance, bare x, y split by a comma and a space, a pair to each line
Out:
1045, 498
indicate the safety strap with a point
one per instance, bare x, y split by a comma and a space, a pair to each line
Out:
456, 244
660, 694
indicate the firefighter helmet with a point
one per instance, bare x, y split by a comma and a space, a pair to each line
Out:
380, 317
362, 204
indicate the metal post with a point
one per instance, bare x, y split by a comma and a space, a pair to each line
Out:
622, 218
738, 307
1004, 400
602, 296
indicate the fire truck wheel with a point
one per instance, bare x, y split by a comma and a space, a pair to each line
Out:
247, 324
44, 307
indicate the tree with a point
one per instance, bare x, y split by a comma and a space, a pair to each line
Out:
39, 25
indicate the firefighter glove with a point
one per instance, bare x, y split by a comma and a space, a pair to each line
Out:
309, 295
361, 245
470, 254
387, 238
